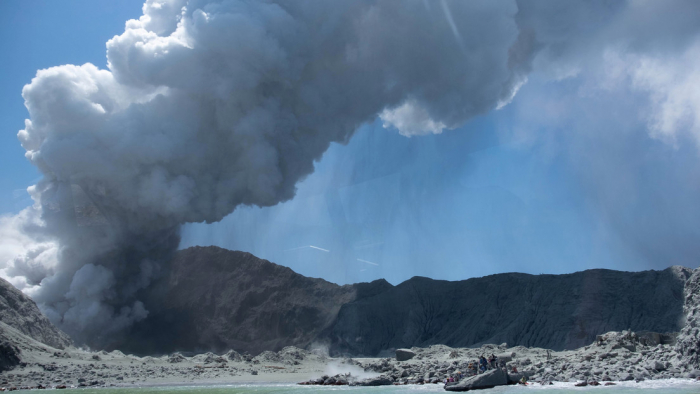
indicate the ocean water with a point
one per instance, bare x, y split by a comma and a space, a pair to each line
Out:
681, 386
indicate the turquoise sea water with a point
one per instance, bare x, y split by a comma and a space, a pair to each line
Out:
652, 387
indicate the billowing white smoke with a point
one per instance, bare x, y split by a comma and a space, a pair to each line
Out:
27, 254
208, 105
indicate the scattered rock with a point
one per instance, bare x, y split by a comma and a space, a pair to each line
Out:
380, 380
233, 355
176, 358
688, 341
267, 356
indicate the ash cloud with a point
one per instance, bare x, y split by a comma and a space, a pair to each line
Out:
208, 105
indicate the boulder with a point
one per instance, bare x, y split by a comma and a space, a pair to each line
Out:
515, 377
505, 357
9, 356
380, 380
492, 378
404, 354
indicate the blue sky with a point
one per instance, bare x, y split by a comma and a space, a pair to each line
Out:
569, 176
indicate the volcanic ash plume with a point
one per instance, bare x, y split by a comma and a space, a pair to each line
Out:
207, 105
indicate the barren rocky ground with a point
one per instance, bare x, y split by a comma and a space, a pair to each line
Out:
615, 357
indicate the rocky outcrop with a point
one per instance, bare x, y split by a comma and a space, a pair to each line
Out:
688, 341
9, 356
404, 354
492, 378
21, 313
549, 311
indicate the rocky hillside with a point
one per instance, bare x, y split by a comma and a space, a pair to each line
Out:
688, 344
548, 311
21, 313
214, 300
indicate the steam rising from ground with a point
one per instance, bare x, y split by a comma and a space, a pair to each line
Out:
335, 368
207, 105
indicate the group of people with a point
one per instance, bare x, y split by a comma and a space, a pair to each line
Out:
485, 364
482, 365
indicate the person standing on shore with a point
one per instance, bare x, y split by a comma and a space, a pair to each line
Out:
492, 361
483, 364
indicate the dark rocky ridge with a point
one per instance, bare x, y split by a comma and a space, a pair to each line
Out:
549, 311
215, 299
21, 313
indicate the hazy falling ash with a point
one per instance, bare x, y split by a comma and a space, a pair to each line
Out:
207, 105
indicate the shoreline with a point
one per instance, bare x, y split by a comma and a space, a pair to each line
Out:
648, 384
617, 357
